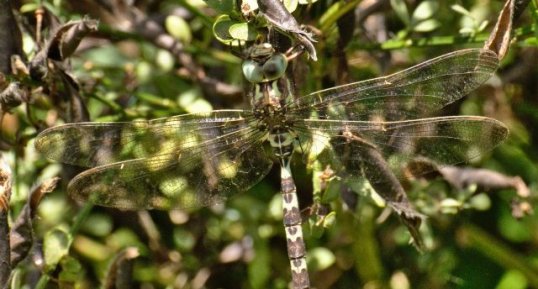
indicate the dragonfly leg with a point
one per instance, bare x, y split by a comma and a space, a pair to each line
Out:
385, 183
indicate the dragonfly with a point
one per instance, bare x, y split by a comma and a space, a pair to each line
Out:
200, 159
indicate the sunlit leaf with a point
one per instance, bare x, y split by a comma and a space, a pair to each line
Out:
242, 31
425, 10
400, 8
179, 28
321, 257
56, 246
427, 25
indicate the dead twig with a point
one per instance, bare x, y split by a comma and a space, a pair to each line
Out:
5, 194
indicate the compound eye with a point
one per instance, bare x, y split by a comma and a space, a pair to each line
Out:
275, 67
252, 71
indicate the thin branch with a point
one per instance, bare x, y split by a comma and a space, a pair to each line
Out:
5, 194
153, 32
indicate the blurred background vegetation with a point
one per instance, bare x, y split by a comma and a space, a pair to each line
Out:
147, 59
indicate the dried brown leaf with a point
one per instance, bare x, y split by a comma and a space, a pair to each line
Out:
22, 238
11, 97
18, 66
486, 180
78, 112
119, 275
276, 13
499, 40
462, 177
5, 184
67, 38
521, 208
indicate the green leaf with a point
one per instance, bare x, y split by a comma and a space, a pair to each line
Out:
460, 9
513, 279
322, 258
232, 32
184, 240
332, 192
259, 268
192, 102
335, 12
56, 246
450, 206
72, 270
480, 202
291, 5
222, 6
482, 26
221, 29
242, 31
178, 28
427, 25
400, 8
329, 220
425, 10
98, 224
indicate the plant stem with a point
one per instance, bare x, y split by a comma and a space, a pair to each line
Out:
500, 253
79, 219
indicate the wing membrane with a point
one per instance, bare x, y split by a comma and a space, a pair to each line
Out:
92, 144
203, 175
446, 140
409, 94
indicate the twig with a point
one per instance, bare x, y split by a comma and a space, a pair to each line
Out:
153, 32
5, 193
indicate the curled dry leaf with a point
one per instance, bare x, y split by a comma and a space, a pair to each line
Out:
275, 13
521, 208
18, 66
21, 239
78, 112
11, 97
67, 38
499, 39
62, 44
5, 184
119, 275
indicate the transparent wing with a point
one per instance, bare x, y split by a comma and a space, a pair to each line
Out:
445, 140
92, 144
409, 94
202, 175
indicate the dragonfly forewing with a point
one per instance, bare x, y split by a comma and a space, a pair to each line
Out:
92, 144
409, 94
184, 161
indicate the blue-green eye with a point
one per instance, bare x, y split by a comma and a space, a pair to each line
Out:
252, 71
275, 67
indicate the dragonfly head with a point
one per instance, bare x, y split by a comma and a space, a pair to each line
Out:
264, 64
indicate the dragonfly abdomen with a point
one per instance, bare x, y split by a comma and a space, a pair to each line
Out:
294, 231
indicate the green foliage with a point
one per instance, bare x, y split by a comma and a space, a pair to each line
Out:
472, 237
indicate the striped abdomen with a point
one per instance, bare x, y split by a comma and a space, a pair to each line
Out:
294, 231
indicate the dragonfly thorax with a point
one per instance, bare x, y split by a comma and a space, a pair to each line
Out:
274, 120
